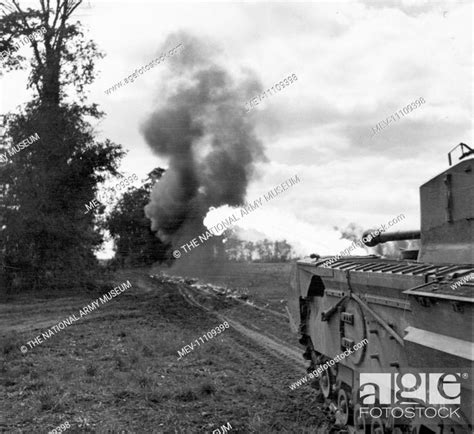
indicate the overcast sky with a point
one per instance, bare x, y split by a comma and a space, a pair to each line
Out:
357, 63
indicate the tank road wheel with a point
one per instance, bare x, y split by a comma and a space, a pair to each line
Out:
325, 383
418, 428
343, 408
359, 421
376, 426
390, 426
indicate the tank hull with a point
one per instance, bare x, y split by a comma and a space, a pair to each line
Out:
411, 318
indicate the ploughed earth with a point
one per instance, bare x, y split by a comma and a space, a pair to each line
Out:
117, 368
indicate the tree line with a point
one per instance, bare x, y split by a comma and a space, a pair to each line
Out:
46, 239
265, 250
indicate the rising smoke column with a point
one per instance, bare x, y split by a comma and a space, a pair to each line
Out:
210, 143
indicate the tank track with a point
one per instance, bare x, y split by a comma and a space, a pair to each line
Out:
337, 398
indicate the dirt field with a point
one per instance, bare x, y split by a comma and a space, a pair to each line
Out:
265, 283
117, 369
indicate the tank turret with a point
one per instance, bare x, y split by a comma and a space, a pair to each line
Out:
447, 216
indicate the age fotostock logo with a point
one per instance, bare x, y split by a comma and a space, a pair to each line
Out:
410, 394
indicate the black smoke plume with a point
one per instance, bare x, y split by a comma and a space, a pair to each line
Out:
202, 129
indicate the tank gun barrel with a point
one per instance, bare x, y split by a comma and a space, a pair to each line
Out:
389, 236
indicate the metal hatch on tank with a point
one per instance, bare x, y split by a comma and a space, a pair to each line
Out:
414, 312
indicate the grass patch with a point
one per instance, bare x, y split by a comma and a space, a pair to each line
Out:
117, 370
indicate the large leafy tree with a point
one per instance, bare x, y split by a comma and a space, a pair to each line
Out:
135, 243
46, 238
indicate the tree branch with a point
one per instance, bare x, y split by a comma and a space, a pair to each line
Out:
45, 11
33, 41
47, 36
73, 8
6, 7
56, 15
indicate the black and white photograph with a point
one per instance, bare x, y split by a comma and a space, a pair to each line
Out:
236, 216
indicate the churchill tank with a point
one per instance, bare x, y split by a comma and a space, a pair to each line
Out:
389, 342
